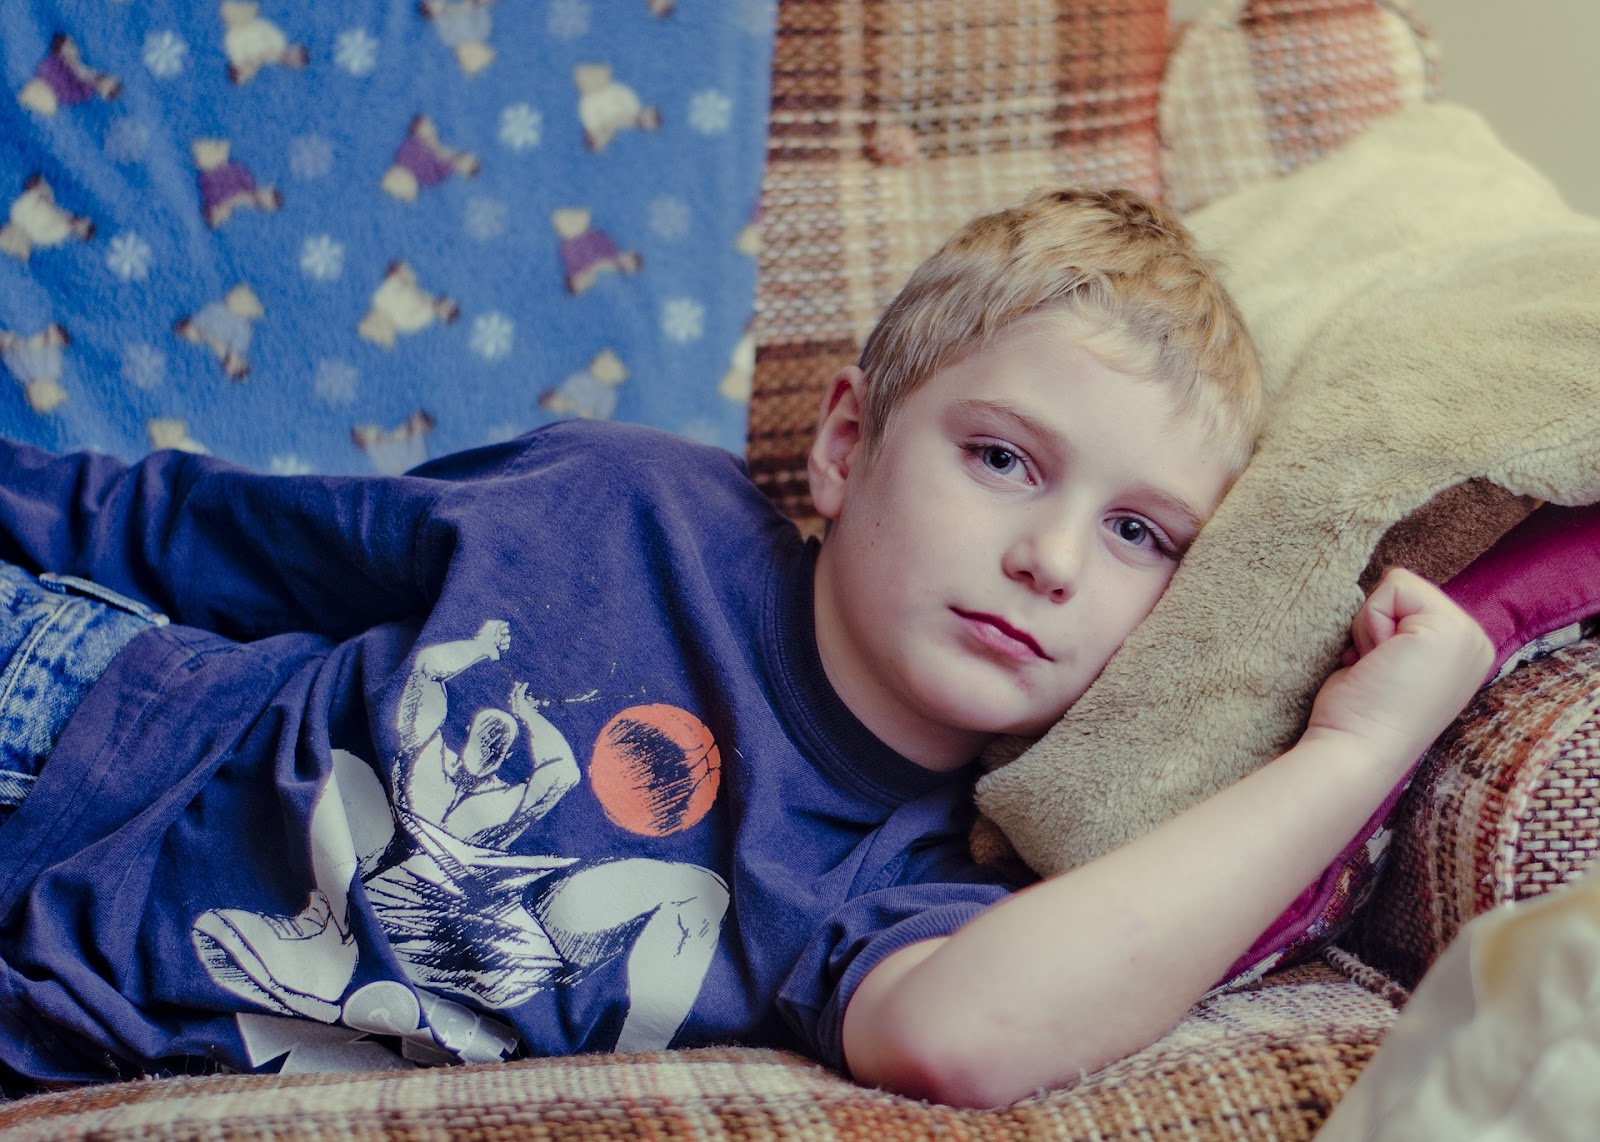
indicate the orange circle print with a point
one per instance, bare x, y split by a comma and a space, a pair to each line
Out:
656, 769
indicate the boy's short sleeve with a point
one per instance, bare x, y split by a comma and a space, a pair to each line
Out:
931, 894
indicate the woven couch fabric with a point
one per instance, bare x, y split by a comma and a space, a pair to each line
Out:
1505, 807
1267, 1063
893, 121
1260, 88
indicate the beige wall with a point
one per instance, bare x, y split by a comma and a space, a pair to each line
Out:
1529, 67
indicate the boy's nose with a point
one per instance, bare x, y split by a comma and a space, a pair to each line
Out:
1049, 559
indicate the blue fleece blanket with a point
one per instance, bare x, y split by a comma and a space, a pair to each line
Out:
343, 237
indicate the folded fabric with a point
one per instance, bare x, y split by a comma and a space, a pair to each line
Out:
1542, 577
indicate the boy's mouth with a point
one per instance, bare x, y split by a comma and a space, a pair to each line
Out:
998, 626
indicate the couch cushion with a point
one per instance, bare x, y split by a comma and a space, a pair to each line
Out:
1265, 1062
894, 121
1257, 88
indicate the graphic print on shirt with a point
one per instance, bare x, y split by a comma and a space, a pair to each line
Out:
467, 918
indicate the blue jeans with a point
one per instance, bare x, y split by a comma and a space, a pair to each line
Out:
57, 635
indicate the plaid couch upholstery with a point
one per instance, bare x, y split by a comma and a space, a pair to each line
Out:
1257, 88
1267, 1063
894, 121
1508, 809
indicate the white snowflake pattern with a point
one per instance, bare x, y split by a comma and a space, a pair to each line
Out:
683, 319
491, 336
310, 156
336, 381
128, 141
129, 257
521, 126
321, 258
710, 112
143, 366
568, 19
486, 218
757, 17
164, 54
670, 218
356, 51
289, 464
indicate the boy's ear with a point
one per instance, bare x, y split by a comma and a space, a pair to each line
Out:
833, 452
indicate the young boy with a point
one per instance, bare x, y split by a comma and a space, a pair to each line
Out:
574, 744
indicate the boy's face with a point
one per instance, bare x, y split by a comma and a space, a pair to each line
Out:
1024, 511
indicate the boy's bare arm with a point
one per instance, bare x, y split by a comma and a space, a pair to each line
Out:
1087, 967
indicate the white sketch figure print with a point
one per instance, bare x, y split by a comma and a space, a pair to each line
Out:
464, 916
303, 965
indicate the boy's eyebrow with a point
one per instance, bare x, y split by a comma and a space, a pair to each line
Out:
1189, 516
1005, 411
1191, 519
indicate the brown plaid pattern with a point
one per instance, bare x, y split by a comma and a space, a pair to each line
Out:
1264, 1063
1505, 807
894, 121
1257, 88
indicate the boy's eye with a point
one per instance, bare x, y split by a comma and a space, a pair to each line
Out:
1000, 460
1139, 533
1132, 530
994, 459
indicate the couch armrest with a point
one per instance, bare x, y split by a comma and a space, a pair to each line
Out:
1505, 807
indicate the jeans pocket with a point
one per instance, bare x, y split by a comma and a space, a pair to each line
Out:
87, 589
59, 635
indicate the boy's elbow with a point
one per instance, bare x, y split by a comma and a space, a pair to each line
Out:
950, 1045
921, 1051
940, 1064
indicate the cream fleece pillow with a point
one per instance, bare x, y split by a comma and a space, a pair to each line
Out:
1428, 312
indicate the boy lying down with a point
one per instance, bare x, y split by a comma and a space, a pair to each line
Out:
574, 744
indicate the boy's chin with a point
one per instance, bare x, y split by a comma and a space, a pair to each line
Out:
993, 723
979, 705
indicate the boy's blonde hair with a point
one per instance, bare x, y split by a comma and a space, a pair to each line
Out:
1123, 273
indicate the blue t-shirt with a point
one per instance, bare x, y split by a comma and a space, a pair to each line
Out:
527, 752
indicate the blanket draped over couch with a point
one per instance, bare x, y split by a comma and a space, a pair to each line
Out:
336, 238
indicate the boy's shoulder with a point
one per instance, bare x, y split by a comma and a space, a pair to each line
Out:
596, 451
634, 443
609, 471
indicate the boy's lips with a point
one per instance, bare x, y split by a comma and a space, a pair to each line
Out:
995, 631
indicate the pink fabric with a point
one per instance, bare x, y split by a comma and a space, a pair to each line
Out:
1541, 576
